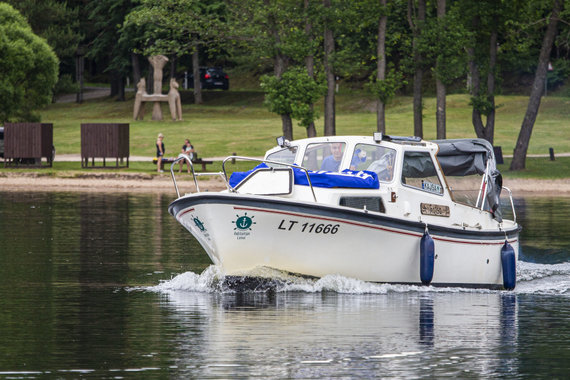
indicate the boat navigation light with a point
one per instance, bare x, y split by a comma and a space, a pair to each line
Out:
283, 142
377, 137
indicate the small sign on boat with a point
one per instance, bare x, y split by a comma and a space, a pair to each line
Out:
434, 210
431, 187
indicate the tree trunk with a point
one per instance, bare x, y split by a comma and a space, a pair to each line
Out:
489, 132
440, 86
121, 83
484, 131
287, 123
196, 73
287, 126
381, 68
330, 127
114, 78
136, 69
79, 75
310, 65
279, 66
173, 64
523, 140
150, 80
416, 27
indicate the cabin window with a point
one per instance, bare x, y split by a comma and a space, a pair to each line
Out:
374, 158
286, 155
324, 156
418, 170
371, 203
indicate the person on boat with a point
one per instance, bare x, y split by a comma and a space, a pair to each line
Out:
332, 163
187, 149
358, 157
159, 152
384, 167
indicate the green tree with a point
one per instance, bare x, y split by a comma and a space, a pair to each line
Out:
385, 80
28, 65
445, 43
490, 24
105, 47
179, 27
273, 33
53, 20
293, 94
57, 21
417, 20
519, 156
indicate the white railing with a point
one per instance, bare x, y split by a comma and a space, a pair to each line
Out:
512, 203
188, 160
224, 175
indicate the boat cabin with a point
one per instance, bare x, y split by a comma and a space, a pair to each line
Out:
373, 172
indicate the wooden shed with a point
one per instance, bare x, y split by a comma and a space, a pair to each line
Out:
28, 143
104, 141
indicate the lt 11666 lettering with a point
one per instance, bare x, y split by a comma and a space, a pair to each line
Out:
317, 228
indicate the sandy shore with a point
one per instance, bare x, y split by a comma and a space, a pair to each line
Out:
105, 182
141, 182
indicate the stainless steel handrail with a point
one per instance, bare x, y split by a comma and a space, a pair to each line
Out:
186, 157
232, 189
224, 175
512, 203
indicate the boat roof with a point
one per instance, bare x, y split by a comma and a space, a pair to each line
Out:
353, 140
457, 157
460, 157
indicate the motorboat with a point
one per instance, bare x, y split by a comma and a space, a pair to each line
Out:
379, 208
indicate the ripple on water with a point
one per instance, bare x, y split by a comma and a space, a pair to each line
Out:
531, 279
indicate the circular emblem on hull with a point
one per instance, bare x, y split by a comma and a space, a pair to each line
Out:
244, 222
199, 224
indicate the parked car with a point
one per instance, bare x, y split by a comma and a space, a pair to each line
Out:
211, 78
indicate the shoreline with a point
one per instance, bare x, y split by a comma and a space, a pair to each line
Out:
105, 182
146, 183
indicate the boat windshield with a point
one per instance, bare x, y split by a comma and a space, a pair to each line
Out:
324, 156
374, 158
286, 155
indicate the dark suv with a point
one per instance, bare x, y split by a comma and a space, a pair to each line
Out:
211, 78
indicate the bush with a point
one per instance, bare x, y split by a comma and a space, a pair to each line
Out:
28, 65
65, 85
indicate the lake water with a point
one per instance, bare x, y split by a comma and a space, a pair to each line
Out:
99, 285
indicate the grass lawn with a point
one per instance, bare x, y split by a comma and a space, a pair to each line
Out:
237, 122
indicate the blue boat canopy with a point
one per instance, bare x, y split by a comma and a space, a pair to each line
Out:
346, 179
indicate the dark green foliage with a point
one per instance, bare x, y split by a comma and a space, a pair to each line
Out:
175, 27
54, 20
28, 65
385, 90
293, 94
483, 104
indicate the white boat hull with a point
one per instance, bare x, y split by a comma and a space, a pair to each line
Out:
241, 233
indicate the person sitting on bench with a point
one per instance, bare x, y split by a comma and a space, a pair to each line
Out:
187, 149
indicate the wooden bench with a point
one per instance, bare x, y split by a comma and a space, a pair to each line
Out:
195, 161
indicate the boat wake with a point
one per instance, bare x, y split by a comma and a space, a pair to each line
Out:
543, 278
531, 279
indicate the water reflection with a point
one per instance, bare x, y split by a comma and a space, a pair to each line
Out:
545, 234
334, 335
426, 321
70, 262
